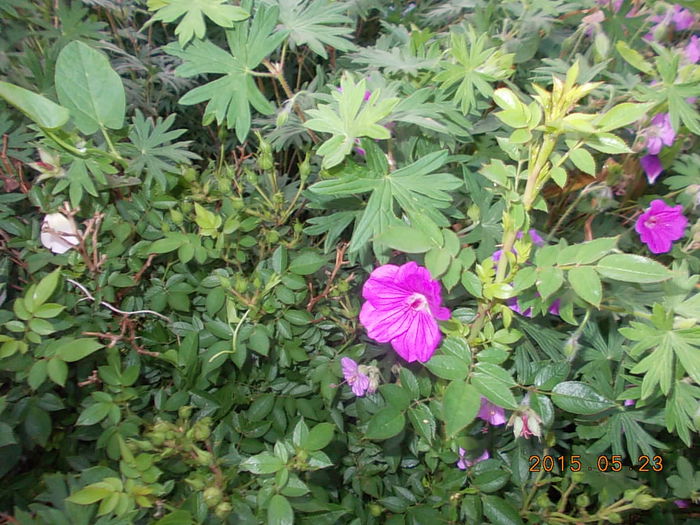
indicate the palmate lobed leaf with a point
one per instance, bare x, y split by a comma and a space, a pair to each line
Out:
414, 188
231, 96
151, 149
348, 118
193, 12
317, 24
474, 67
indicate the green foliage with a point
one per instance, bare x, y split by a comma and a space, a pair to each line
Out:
230, 96
176, 357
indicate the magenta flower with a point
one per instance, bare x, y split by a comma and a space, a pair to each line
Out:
682, 18
660, 225
660, 133
464, 463
403, 305
681, 504
651, 164
492, 413
629, 402
692, 50
356, 380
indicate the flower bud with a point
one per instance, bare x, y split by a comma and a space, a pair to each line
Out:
184, 412
375, 510
251, 176
305, 168
582, 500
223, 509
202, 429
213, 496
614, 517
646, 501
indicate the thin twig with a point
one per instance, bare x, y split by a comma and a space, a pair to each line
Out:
113, 308
339, 255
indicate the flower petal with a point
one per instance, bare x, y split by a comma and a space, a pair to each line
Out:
419, 341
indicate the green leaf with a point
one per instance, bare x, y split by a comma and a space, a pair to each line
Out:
423, 421
89, 494
57, 370
91, 90
37, 374
405, 239
306, 263
494, 390
193, 12
623, 115
386, 423
263, 463
437, 260
7, 436
459, 406
348, 118
48, 310
632, 269
280, 511
37, 425
317, 24
585, 282
587, 252
579, 398
319, 437
633, 57
171, 243
261, 407
583, 160
448, 367
473, 67
500, 512
94, 413
151, 148
76, 349
44, 112
231, 96
43, 290
549, 280
258, 341
178, 517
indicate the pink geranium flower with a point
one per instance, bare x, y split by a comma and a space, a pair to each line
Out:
659, 134
356, 380
403, 305
492, 413
464, 463
691, 52
651, 164
660, 225
682, 18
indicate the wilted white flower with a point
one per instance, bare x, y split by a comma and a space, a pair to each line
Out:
49, 166
58, 233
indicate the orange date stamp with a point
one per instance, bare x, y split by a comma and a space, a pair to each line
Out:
603, 464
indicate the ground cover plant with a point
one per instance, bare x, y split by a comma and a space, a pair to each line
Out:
353, 262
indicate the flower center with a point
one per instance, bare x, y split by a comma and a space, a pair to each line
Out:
650, 222
417, 302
